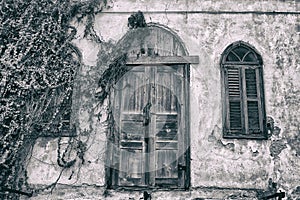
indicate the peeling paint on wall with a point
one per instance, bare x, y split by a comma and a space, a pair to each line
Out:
276, 147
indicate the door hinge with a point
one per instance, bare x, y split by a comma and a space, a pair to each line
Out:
181, 167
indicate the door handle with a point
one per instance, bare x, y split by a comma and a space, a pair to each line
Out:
146, 114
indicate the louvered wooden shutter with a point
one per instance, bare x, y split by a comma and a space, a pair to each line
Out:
254, 125
234, 103
244, 103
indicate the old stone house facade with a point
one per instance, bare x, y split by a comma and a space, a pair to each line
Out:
203, 104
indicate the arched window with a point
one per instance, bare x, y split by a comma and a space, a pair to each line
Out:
244, 110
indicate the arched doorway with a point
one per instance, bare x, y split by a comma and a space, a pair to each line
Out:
150, 113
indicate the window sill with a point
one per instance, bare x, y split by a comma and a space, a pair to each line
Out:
148, 188
249, 137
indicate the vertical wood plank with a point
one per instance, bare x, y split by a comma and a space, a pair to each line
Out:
173, 92
244, 100
145, 100
185, 179
116, 136
125, 97
259, 88
227, 109
153, 101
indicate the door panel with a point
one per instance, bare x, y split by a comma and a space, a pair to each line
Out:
150, 126
166, 164
131, 168
133, 95
167, 114
166, 127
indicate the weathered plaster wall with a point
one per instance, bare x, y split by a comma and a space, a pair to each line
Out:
215, 162
205, 5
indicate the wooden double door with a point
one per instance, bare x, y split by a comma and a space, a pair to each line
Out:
151, 136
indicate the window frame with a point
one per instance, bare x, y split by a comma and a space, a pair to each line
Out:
257, 65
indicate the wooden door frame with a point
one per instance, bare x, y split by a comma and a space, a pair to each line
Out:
111, 174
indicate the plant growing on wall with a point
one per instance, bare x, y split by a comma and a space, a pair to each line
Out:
38, 64
117, 67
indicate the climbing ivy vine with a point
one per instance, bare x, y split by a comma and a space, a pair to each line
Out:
38, 63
